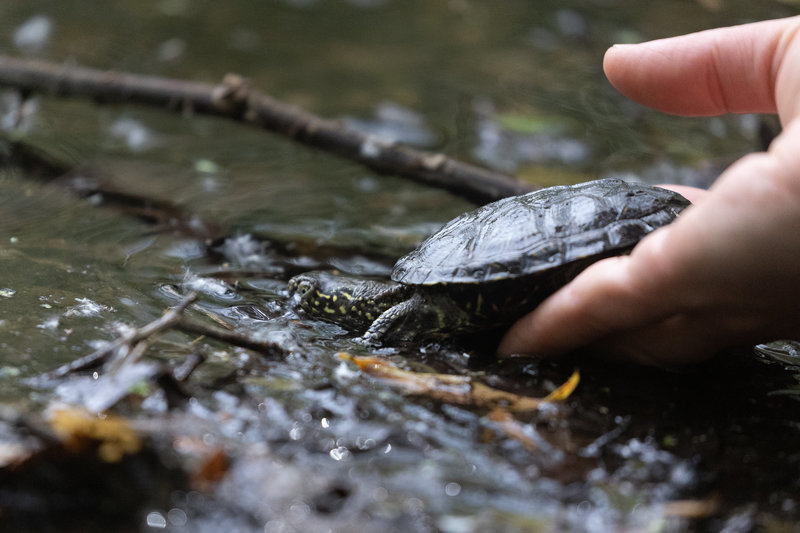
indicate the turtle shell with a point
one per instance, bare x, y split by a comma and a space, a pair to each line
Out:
540, 231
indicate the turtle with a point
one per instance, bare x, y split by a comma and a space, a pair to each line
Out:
486, 268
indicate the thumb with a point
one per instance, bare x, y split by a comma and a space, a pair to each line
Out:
611, 295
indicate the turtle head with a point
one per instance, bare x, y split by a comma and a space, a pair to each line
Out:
303, 287
347, 300
325, 295
314, 291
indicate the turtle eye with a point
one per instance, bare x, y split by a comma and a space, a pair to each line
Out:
303, 288
300, 287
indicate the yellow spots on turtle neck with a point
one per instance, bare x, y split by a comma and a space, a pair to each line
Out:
323, 301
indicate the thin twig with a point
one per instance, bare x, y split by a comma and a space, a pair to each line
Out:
172, 319
188, 325
192, 361
236, 100
166, 321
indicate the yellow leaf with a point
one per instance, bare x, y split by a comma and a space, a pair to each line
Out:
79, 429
565, 390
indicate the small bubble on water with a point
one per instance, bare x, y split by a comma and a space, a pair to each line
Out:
452, 489
339, 453
171, 49
177, 517
156, 520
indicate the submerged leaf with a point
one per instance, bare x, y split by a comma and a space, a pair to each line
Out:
456, 389
79, 429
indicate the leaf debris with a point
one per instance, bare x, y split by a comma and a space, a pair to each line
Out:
454, 388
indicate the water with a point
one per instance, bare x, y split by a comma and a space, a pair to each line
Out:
315, 444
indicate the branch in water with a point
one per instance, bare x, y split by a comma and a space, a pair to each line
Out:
236, 100
174, 318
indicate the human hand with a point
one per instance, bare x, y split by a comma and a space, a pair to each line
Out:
727, 272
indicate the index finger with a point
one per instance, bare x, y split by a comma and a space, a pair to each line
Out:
725, 70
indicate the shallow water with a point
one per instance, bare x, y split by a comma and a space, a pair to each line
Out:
518, 88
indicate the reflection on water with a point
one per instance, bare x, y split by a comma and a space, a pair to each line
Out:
516, 86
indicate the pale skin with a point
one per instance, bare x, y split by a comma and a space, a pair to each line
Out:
727, 272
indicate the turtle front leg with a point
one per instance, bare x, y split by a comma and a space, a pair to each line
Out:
421, 316
395, 324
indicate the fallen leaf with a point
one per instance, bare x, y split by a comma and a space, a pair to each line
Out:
213, 468
456, 389
79, 429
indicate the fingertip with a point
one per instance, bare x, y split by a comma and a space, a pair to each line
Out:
510, 343
524, 340
604, 298
706, 73
546, 331
616, 51
611, 60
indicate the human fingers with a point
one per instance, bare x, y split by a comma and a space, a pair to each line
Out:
736, 69
604, 314
730, 262
610, 296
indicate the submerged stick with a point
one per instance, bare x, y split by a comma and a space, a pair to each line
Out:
236, 100
173, 318
267, 348
101, 355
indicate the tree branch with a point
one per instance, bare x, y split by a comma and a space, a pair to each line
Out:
236, 100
